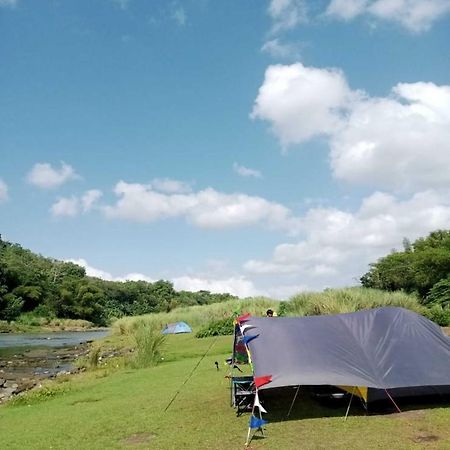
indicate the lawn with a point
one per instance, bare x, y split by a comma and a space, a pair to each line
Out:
127, 409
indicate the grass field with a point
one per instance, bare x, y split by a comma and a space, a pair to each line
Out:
126, 409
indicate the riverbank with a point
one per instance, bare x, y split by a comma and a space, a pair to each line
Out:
43, 324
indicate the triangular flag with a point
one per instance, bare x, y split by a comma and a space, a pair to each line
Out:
256, 423
247, 339
258, 404
261, 381
243, 318
246, 327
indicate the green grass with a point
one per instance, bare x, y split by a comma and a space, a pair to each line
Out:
125, 409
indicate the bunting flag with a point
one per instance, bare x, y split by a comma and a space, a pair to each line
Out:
261, 381
258, 404
246, 327
256, 423
247, 339
243, 318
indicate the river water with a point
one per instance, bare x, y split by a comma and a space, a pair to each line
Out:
53, 339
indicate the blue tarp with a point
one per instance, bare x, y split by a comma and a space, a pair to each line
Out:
178, 327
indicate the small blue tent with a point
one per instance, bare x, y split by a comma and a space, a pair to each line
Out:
178, 327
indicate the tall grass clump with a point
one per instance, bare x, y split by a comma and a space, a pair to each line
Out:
149, 343
337, 301
197, 316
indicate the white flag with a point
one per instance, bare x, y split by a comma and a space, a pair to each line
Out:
258, 404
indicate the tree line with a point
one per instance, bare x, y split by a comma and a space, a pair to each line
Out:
423, 267
46, 287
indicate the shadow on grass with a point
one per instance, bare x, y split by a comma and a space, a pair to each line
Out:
277, 402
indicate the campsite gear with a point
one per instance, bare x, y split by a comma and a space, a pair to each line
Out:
176, 328
376, 354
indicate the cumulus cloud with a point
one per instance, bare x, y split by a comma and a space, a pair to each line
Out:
170, 186
207, 208
301, 102
281, 50
74, 206
287, 14
44, 176
235, 285
99, 273
246, 172
338, 244
3, 191
415, 15
399, 142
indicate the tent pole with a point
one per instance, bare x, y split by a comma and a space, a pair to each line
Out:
392, 400
293, 401
349, 403
247, 442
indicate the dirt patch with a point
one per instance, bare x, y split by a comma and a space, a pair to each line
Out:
138, 438
423, 438
413, 414
86, 400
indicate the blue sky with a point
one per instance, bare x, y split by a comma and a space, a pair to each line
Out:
257, 147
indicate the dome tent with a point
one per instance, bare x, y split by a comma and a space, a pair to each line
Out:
176, 328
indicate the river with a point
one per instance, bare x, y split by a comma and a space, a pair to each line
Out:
28, 358
53, 339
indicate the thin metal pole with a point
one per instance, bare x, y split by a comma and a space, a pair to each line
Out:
293, 401
349, 403
247, 442
392, 400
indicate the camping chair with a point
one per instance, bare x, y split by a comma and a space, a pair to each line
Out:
243, 391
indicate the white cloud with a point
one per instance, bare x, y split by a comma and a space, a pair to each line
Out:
99, 273
179, 15
399, 142
287, 14
74, 206
415, 15
207, 208
301, 102
8, 3
68, 207
281, 50
89, 199
237, 285
338, 245
246, 172
3, 191
170, 186
44, 176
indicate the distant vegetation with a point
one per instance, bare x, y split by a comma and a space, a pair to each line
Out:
422, 268
39, 287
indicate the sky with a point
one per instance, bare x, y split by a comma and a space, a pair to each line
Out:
252, 147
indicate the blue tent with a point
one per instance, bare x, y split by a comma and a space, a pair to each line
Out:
178, 327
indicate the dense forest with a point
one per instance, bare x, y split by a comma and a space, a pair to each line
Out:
51, 288
423, 267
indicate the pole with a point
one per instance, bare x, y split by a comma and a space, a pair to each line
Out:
392, 400
293, 401
349, 403
247, 442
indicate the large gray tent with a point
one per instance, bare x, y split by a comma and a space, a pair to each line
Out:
373, 351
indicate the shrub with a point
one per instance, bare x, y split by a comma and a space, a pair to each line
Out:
439, 315
222, 327
439, 294
149, 344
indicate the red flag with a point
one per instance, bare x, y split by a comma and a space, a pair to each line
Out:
261, 381
243, 318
